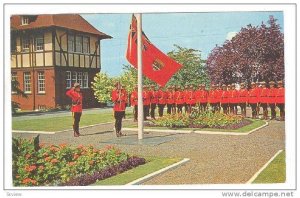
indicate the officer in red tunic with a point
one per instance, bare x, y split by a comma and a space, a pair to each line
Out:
170, 100
253, 99
243, 99
161, 95
146, 102
119, 98
211, 97
153, 101
185, 92
280, 100
201, 98
272, 99
76, 96
190, 99
174, 103
232, 100
218, 97
225, 99
259, 88
179, 99
263, 99
134, 103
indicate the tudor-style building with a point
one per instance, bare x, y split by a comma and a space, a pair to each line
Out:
49, 53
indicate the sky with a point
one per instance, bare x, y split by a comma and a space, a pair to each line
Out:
201, 31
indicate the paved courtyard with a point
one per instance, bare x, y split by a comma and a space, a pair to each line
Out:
214, 159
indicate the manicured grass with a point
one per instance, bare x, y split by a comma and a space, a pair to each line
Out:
275, 172
152, 164
62, 123
244, 129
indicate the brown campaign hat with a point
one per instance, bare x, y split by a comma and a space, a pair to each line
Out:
263, 82
223, 85
271, 82
280, 82
76, 85
253, 83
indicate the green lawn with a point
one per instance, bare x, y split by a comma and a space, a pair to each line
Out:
62, 123
247, 128
275, 172
153, 164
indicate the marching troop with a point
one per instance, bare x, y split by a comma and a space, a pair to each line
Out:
226, 98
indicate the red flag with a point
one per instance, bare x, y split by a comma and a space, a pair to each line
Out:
157, 66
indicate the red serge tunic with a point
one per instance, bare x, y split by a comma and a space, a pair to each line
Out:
233, 96
272, 96
201, 96
259, 90
119, 97
190, 97
264, 95
179, 97
280, 95
211, 96
225, 96
170, 97
253, 96
153, 97
134, 98
161, 95
243, 96
146, 98
76, 100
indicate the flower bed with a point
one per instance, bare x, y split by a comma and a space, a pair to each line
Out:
201, 120
38, 165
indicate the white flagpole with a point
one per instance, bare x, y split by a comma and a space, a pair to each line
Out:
140, 77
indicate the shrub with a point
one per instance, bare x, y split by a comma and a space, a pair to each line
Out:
35, 164
198, 120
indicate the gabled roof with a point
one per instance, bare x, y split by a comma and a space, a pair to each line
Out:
68, 21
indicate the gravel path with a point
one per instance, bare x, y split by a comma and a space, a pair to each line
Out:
214, 159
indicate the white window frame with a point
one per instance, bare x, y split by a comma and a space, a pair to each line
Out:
85, 80
68, 79
71, 43
14, 77
24, 20
74, 77
41, 82
39, 46
79, 78
27, 82
25, 45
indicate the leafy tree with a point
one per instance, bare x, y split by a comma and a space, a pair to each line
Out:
254, 54
193, 71
102, 86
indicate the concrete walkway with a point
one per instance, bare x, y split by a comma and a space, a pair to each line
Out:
214, 159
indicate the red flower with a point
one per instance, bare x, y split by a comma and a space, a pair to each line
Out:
47, 159
41, 167
30, 168
27, 156
71, 163
80, 146
45, 154
75, 156
63, 145
54, 161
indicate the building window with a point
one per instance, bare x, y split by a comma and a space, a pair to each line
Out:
24, 20
14, 80
68, 80
39, 43
27, 82
25, 44
78, 47
79, 78
85, 80
71, 43
41, 82
74, 77
86, 44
